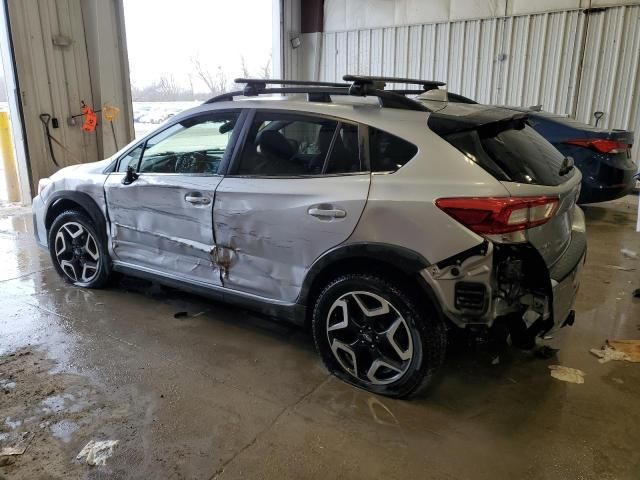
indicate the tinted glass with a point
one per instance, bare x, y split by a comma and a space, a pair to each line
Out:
516, 155
286, 145
388, 153
130, 159
345, 157
195, 146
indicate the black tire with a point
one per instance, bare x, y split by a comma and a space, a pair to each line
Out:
420, 321
88, 260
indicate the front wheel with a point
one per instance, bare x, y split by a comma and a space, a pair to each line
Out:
78, 252
372, 334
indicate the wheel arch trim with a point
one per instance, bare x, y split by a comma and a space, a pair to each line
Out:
400, 258
84, 201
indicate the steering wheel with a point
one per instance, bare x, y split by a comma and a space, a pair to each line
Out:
193, 162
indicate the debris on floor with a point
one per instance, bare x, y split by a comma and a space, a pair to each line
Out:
630, 347
622, 269
97, 452
14, 443
629, 253
636, 293
606, 354
567, 374
545, 352
181, 315
627, 350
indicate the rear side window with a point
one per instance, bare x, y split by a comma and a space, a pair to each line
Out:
344, 157
284, 144
516, 155
387, 152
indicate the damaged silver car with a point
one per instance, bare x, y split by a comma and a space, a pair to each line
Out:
344, 207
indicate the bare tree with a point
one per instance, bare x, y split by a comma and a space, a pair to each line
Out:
221, 81
265, 70
168, 87
205, 75
217, 82
243, 66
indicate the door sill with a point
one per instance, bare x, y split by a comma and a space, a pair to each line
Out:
291, 312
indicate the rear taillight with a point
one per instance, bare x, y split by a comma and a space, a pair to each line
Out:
493, 215
600, 145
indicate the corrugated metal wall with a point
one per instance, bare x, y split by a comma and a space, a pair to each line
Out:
68, 51
53, 79
563, 60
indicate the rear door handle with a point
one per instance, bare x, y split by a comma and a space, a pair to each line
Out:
197, 198
330, 212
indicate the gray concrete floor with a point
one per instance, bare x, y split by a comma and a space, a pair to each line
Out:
228, 394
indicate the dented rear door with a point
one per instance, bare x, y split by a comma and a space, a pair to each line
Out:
274, 229
163, 219
296, 190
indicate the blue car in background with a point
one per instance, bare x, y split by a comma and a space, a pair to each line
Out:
603, 156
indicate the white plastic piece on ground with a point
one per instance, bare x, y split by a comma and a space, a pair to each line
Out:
629, 253
627, 350
606, 354
14, 443
97, 452
630, 347
567, 374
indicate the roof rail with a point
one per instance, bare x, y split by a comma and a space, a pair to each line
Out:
253, 90
271, 81
380, 82
321, 91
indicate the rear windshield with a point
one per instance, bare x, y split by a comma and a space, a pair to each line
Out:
513, 155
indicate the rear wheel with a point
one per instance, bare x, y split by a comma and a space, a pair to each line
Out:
372, 334
77, 250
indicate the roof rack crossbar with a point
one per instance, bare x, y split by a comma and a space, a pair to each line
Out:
380, 82
321, 91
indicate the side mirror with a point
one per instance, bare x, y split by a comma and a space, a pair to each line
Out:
130, 177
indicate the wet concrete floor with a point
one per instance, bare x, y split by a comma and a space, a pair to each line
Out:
227, 394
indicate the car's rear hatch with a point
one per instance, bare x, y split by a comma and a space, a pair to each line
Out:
500, 141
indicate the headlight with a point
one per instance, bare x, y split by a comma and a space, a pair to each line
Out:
42, 184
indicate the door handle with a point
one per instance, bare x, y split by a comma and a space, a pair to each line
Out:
329, 212
197, 198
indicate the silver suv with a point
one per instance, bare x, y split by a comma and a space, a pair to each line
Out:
352, 209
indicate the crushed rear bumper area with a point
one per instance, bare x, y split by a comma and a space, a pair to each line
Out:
510, 284
565, 279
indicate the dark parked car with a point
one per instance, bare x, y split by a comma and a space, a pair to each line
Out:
603, 156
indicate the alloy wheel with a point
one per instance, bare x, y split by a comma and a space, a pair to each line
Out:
77, 252
369, 337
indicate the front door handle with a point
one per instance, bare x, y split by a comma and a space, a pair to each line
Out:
329, 212
197, 198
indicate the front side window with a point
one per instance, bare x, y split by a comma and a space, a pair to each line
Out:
131, 159
290, 145
193, 146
